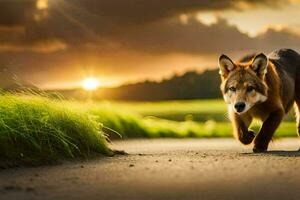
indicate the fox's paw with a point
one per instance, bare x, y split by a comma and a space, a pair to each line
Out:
247, 138
259, 149
251, 134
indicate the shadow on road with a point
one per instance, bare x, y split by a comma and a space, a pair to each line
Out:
276, 153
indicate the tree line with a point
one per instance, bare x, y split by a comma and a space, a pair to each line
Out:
190, 85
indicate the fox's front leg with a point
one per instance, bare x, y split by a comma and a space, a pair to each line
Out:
267, 130
241, 124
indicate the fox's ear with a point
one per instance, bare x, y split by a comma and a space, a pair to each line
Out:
259, 64
226, 65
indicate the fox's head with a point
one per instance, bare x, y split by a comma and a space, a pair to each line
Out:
243, 84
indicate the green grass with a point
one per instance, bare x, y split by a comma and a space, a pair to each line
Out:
196, 110
36, 130
133, 119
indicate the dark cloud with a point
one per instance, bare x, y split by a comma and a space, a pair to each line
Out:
120, 11
15, 12
142, 11
172, 36
47, 43
151, 26
77, 22
273, 38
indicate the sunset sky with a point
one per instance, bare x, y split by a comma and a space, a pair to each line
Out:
57, 43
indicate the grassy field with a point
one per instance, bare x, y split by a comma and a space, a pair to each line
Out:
199, 118
196, 110
36, 129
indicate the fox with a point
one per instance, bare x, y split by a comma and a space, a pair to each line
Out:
264, 87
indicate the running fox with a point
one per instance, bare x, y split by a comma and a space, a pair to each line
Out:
264, 87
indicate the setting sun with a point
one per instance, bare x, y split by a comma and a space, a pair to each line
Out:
90, 83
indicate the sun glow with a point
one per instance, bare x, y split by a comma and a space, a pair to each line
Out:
42, 4
90, 83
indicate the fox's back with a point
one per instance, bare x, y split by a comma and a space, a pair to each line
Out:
287, 66
286, 60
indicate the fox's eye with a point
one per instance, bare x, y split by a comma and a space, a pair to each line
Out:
232, 89
250, 89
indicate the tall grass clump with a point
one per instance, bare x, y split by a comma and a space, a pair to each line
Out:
35, 129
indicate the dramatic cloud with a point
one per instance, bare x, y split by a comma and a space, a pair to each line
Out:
142, 11
77, 22
53, 38
128, 11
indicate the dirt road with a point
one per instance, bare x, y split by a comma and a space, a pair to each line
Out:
166, 169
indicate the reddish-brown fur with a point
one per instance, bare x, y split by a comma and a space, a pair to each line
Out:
280, 84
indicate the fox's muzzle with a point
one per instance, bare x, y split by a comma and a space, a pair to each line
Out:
239, 107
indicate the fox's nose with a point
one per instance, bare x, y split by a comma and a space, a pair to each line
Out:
239, 106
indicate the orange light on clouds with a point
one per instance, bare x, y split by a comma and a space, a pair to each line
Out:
90, 83
207, 18
42, 4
